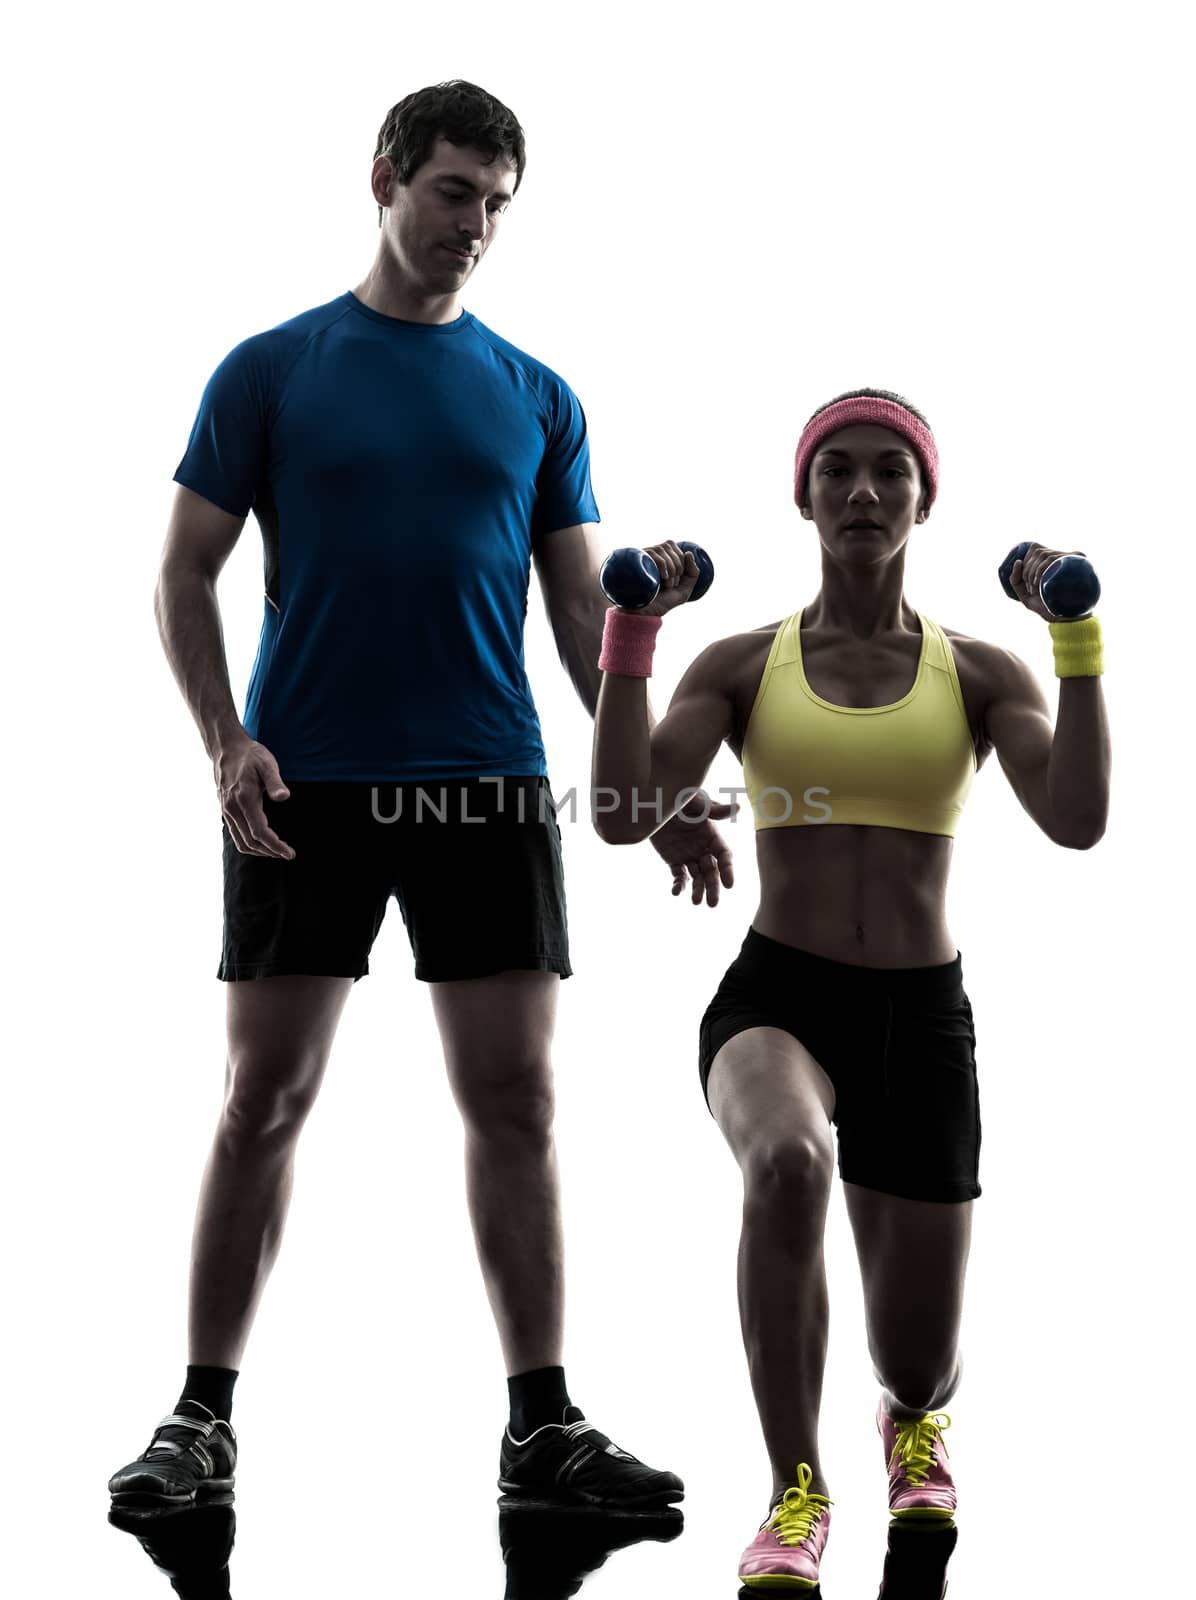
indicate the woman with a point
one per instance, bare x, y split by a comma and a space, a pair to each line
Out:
860, 724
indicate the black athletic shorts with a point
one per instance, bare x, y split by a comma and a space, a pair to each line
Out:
898, 1044
475, 865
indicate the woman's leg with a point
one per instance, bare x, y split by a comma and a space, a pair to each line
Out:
773, 1103
913, 1258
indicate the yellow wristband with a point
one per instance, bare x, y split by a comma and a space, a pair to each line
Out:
1079, 651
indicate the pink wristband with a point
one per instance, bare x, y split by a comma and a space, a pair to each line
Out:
628, 641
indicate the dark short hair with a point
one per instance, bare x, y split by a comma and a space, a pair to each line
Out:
872, 394
457, 111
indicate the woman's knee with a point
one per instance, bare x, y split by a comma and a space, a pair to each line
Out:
921, 1385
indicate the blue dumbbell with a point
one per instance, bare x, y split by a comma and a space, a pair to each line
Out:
1069, 588
631, 580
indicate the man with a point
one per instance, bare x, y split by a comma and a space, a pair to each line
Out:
407, 466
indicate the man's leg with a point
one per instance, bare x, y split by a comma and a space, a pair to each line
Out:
280, 1033
497, 1038
497, 1035
485, 912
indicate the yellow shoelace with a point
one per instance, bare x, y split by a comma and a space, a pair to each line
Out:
915, 1444
798, 1510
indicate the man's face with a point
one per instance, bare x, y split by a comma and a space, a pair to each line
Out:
442, 222
865, 474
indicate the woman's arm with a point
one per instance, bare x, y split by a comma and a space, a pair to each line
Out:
639, 775
1060, 774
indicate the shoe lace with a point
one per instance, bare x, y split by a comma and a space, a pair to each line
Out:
798, 1510
915, 1444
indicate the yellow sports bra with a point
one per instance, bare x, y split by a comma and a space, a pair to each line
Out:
906, 765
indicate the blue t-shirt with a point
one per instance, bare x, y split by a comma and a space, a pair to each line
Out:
399, 472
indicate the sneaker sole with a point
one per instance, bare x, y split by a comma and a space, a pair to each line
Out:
778, 1580
147, 1497
923, 1514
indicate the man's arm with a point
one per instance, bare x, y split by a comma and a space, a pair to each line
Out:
567, 564
199, 540
1060, 774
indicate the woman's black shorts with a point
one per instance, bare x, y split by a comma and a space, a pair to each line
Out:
898, 1044
475, 865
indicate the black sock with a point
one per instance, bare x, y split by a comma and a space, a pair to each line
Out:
212, 1387
536, 1398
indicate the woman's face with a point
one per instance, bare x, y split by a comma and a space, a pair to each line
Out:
864, 490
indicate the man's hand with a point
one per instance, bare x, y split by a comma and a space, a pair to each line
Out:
696, 849
244, 771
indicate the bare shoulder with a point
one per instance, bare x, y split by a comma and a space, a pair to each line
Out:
736, 665
988, 672
986, 663
726, 659
729, 670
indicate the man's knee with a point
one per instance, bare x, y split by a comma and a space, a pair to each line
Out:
269, 1096
515, 1103
788, 1174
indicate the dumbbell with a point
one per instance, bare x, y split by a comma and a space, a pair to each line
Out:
630, 578
1069, 587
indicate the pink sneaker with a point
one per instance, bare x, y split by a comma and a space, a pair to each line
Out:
919, 1478
786, 1552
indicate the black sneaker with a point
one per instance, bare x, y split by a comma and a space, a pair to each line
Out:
191, 1454
571, 1463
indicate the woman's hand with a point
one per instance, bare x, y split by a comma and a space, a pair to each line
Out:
678, 575
696, 850
1027, 575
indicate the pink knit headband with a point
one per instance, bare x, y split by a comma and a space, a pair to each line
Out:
866, 409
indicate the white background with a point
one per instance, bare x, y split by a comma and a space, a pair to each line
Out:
729, 215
